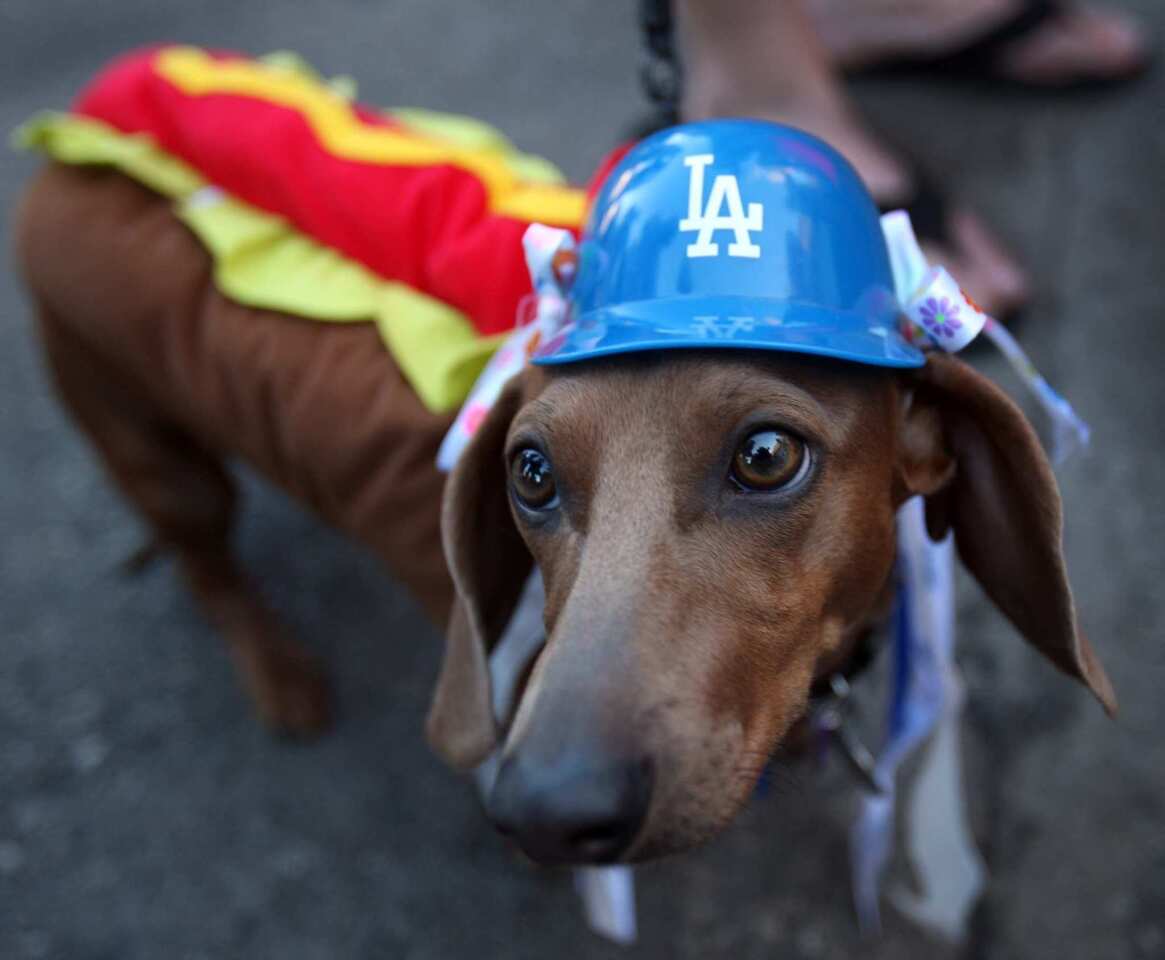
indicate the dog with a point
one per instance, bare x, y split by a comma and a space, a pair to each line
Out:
715, 529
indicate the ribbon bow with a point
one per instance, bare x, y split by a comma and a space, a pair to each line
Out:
553, 261
937, 313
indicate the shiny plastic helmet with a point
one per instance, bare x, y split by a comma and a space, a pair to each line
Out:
736, 234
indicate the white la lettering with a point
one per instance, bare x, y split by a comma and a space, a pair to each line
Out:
725, 190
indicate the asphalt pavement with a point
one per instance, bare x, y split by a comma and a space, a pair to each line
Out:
145, 814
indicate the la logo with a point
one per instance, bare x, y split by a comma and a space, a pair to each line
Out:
705, 222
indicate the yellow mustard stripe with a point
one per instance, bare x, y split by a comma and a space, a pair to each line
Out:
469, 133
342, 133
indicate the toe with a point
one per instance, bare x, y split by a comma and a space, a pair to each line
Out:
981, 264
1081, 43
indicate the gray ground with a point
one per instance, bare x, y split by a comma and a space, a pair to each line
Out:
143, 813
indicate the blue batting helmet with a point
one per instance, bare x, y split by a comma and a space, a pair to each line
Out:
733, 234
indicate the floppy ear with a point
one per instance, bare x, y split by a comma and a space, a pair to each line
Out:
971, 452
489, 564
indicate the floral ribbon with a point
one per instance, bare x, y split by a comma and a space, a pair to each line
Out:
937, 313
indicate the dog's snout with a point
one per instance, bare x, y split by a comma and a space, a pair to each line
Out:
582, 812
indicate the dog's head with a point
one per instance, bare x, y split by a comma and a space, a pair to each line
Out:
711, 527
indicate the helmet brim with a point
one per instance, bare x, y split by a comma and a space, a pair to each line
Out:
735, 323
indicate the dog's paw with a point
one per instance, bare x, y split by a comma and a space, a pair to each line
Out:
290, 690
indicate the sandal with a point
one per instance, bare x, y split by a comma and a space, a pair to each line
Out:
978, 60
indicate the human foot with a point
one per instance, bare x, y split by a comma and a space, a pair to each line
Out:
1053, 44
755, 58
964, 246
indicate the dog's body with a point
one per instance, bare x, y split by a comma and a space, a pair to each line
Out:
686, 618
169, 378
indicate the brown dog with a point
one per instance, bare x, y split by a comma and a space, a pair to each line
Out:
714, 529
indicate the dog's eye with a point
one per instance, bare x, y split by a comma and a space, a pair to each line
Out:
767, 459
532, 479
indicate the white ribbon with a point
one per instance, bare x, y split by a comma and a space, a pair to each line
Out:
927, 699
928, 694
551, 259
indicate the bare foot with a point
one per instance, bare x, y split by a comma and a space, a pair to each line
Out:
757, 58
981, 263
1082, 42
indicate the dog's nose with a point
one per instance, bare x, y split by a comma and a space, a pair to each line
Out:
571, 813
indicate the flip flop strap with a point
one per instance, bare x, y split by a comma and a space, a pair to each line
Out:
984, 48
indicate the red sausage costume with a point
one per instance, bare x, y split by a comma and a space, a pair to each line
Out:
433, 206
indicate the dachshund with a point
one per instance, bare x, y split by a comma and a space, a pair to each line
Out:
695, 591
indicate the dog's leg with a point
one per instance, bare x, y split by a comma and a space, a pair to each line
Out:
188, 498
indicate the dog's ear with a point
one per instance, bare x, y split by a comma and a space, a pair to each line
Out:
971, 452
489, 564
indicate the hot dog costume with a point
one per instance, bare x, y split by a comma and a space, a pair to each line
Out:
315, 206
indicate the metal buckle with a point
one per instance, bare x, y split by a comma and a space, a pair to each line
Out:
830, 718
